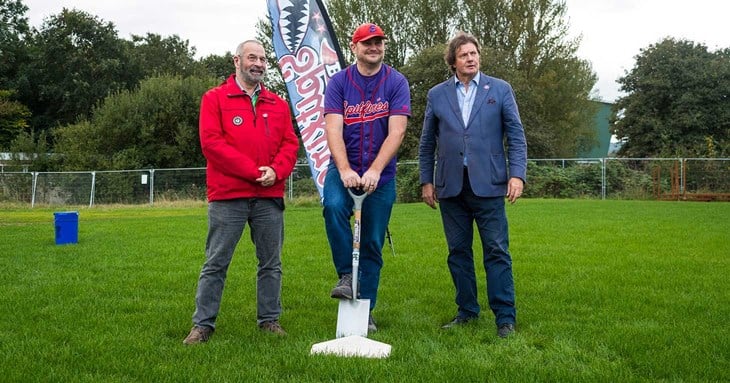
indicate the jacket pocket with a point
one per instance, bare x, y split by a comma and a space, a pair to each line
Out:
499, 169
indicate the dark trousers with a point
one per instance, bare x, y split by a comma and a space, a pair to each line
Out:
226, 222
458, 215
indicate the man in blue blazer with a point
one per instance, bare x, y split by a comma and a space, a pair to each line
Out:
467, 120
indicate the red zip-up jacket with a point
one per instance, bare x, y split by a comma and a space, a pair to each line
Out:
237, 139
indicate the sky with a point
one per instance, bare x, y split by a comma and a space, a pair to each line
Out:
612, 31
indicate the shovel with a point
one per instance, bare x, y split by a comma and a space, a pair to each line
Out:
353, 314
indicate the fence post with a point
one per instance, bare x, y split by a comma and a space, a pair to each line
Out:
93, 188
33, 188
152, 187
682, 164
603, 178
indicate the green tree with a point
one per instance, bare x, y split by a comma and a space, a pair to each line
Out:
13, 119
677, 102
216, 66
154, 55
394, 16
424, 70
13, 32
526, 42
154, 126
431, 23
29, 146
76, 60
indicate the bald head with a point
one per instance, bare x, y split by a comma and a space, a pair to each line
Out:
250, 62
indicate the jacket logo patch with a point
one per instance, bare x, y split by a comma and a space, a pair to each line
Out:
238, 120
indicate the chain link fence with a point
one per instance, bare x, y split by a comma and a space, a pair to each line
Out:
630, 178
599, 178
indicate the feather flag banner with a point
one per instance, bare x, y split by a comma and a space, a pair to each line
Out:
308, 55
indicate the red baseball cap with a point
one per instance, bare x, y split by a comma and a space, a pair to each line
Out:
366, 32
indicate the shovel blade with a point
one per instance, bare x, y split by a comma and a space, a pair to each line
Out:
352, 317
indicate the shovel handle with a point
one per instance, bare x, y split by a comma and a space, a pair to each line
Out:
357, 198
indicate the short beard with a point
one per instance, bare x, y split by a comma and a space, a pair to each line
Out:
251, 78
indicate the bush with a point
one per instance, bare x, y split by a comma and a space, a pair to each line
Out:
408, 183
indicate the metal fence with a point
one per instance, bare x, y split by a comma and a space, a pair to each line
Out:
630, 178
613, 178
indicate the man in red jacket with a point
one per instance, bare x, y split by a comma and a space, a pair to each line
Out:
249, 143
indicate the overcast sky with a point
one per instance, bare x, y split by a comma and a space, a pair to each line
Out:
613, 30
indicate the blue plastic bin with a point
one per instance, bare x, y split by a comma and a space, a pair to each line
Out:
67, 227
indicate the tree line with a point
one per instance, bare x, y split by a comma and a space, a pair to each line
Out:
74, 88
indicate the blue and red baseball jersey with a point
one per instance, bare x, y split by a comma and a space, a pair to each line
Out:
365, 103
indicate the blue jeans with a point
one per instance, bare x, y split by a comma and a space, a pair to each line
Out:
376, 209
226, 221
458, 215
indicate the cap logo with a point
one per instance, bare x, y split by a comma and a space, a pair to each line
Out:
367, 31
238, 120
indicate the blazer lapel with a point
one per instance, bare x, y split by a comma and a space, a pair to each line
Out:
454, 100
481, 97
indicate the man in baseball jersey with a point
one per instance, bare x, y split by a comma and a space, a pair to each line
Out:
367, 106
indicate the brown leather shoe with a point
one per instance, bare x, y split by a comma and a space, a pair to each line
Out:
272, 326
198, 334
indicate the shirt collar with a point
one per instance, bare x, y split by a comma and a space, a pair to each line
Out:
475, 80
255, 91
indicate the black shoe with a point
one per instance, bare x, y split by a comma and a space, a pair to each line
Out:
458, 321
505, 330
343, 290
371, 324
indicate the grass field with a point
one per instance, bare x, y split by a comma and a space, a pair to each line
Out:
607, 291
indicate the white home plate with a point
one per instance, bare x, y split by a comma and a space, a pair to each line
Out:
353, 345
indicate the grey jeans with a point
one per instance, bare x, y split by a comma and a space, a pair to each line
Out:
226, 221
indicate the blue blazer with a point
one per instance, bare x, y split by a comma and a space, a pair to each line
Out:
445, 139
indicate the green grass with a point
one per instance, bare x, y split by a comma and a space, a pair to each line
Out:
607, 291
